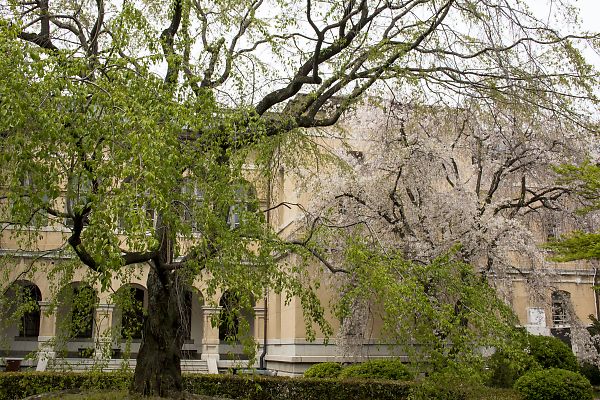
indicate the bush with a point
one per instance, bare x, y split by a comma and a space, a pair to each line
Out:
280, 388
591, 372
554, 384
323, 370
452, 386
377, 369
551, 352
18, 385
444, 386
506, 367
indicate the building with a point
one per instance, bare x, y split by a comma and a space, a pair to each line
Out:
277, 324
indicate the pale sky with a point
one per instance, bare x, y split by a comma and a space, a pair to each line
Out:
590, 13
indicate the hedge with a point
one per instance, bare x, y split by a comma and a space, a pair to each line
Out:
426, 392
554, 384
17, 385
377, 369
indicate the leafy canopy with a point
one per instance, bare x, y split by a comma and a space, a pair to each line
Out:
578, 245
443, 311
123, 163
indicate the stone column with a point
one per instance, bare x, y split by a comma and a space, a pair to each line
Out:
103, 331
210, 339
47, 336
259, 324
259, 329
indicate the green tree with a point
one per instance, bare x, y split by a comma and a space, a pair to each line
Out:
110, 159
443, 312
578, 245
116, 106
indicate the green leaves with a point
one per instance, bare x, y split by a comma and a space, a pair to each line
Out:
578, 245
119, 164
585, 181
442, 311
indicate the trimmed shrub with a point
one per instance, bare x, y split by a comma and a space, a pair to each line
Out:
323, 370
18, 385
434, 388
591, 372
551, 352
554, 384
377, 369
281, 388
505, 368
449, 385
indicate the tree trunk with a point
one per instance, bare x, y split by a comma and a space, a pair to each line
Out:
158, 369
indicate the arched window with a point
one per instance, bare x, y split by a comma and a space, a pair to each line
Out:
82, 312
133, 313
187, 315
30, 321
236, 319
229, 322
560, 307
192, 318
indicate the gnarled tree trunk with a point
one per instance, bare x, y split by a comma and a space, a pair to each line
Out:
158, 369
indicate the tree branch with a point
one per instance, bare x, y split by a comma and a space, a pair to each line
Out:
319, 257
167, 39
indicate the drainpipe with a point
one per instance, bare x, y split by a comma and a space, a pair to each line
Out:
596, 292
262, 361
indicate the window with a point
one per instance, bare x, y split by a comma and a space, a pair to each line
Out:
236, 320
246, 201
82, 313
192, 198
30, 321
187, 315
133, 314
229, 322
233, 217
560, 307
